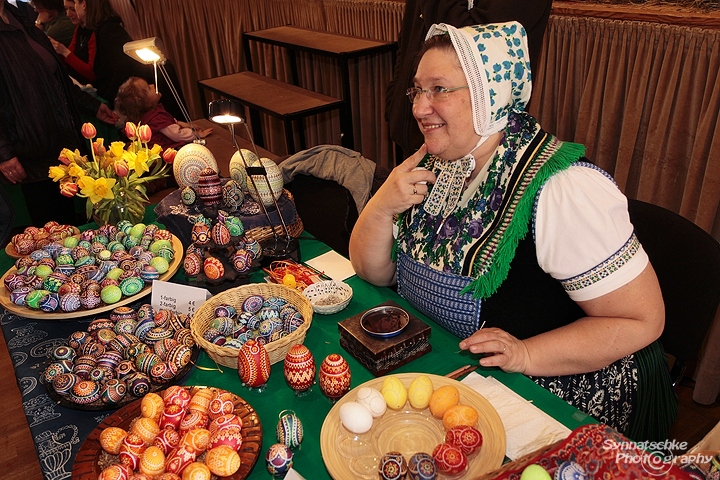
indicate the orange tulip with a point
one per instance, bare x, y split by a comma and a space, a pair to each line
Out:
68, 189
169, 155
88, 130
144, 133
121, 168
130, 129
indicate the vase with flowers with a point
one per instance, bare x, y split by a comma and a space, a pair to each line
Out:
114, 180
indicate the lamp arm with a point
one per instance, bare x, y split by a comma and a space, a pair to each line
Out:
178, 100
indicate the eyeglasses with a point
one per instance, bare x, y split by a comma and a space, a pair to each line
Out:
434, 94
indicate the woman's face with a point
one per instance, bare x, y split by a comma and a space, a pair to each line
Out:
447, 124
70, 11
81, 10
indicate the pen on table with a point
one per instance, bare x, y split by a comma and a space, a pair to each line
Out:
461, 371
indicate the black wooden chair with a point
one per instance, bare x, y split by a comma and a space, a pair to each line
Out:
687, 262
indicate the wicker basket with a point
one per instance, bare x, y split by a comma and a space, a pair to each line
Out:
264, 232
277, 350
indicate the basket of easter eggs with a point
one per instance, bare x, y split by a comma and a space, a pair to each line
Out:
274, 315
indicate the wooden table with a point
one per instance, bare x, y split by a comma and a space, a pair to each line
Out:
342, 48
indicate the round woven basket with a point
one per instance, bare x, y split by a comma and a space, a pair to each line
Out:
277, 350
293, 229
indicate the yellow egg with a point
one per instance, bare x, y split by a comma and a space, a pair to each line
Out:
146, 428
152, 461
152, 406
196, 471
111, 438
394, 393
460, 415
419, 392
442, 399
223, 461
289, 280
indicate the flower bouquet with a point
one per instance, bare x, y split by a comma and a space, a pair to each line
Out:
114, 180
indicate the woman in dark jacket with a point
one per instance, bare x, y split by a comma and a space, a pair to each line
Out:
38, 115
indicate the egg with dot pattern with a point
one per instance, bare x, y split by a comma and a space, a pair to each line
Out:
188, 195
232, 195
237, 166
274, 179
111, 438
213, 268
189, 162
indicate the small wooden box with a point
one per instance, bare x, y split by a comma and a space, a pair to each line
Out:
383, 355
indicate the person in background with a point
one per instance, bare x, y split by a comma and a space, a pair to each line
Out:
507, 237
39, 117
418, 17
53, 20
79, 55
140, 103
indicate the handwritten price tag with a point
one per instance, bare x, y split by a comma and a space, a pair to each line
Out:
179, 298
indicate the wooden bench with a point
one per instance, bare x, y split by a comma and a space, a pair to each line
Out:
272, 97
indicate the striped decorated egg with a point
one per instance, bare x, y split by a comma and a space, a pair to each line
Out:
267, 193
253, 364
180, 356
167, 440
200, 401
209, 187
113, 391
220, 234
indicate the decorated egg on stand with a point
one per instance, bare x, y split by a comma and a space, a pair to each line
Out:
253, 365
213, 268
299, 369
334, 377
237, 167
289, 430
274, 179
189, 162
209, 187
279, 459
188, 195
232, 195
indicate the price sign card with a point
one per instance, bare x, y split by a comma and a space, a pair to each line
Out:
179, 298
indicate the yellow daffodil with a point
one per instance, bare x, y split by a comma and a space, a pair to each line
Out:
117, 149
57, 173
155, 150
137, 161
75, 171
97, 189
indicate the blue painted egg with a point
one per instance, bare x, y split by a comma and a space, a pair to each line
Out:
289, 430
279, 459
392, 466
422, 467
570, 470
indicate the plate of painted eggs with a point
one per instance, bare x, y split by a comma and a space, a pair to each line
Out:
412, 425
32, 238
200, 433
90, 273
119, 359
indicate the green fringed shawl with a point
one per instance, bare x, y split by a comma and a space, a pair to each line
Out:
492, 257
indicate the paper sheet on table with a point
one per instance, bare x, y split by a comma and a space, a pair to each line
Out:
333, 265
527, 427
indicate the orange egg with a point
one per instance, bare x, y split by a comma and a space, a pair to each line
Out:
460, 415
200, 401
152, 406
146, 428
222, 461
111, 438
442, 399
152, 461
196, 471
196, 440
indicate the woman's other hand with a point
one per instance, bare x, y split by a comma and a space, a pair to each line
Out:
13, 170
204, 132
106, 115
60, 49
501, 349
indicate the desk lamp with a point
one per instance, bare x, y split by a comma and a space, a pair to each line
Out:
230, 112
150, 51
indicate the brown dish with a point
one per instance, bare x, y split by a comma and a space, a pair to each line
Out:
87, 462
384, 321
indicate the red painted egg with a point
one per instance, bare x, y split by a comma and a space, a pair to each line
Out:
200, 233
299, 368
178, 459
194, 419
230, 436
253, 364
213, 268
177, 395
167, 440
449, 459
334, 376
192, 264
466, 438
220, 234
172, 416
225, 421
131, 449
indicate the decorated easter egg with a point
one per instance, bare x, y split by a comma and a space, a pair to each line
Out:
230, 436
355, 417
149, 273
449, 459
442, 399
113, 391
213, 268
392, 466
172, 416
188, 195
152, 461
299, 368
460, 415
242, 261
253, 364
535, 472
237, 166
373, 400
569, 470
221, 403
266, 193
225, 421
111, 438
192, 264
394, 392
200, 401
422, 467
167, 440
197, 471
177, 395
200, 233
279, 459
145, 428
131, 286
189, 162
138, 384
232, 195
194, 419
222, 461
209, 187
111, 294
116, 471
196, 439
289, 430
131, 448
220, 234
160, 263
334, 376
178, 459
152, 406
419, 392
466, 438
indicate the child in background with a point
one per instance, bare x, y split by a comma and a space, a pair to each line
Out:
140, 104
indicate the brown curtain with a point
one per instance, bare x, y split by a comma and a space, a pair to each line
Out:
203, 39
644, 99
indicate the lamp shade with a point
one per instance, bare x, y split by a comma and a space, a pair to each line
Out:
147, 51
226, 111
